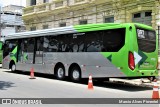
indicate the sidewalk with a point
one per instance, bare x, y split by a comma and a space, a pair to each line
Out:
137, 82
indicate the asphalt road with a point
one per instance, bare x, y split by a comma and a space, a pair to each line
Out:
18, 85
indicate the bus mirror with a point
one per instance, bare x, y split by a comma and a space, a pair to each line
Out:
1, 45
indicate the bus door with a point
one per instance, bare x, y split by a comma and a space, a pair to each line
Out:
26, 51
9, 52
39, 51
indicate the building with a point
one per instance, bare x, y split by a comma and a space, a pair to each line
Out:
43, 14
13, 8
11, 20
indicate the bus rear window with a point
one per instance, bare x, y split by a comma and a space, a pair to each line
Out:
146, 40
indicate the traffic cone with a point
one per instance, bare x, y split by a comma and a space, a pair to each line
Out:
155, 94
32, 73
90, 83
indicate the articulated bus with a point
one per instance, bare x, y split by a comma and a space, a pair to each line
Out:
128, 50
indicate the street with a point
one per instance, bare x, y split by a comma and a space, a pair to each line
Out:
18, 85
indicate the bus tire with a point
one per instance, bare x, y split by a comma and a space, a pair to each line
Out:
152, 78
75, 74
60, 72
13, 67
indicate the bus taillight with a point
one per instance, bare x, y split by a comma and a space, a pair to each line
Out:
131, 61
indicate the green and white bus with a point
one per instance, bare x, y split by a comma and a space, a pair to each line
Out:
107, 50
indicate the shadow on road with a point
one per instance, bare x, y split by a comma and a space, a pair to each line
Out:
5, 85
122, 86
105, 84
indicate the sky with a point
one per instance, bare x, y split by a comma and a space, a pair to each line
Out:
13, 2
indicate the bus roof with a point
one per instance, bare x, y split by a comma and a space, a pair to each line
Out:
71, 29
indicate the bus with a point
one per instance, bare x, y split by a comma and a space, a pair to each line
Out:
106, 50
1, 52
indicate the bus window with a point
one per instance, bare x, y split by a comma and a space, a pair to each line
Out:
28, 45
114, 39
146, 40
50, 44
10, 46
93, 41
77, 42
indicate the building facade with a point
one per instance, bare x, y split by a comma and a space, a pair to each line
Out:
43, 14
11, 20
13, 8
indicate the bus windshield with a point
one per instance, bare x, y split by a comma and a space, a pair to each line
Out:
146, 40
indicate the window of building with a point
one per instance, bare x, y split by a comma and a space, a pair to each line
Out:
148, 14
109, 19
32, 28
77, 1
59, 4
33, 2
9, 25
45, 1
137, 15
62, 24
82, 22
45, 26
144, 17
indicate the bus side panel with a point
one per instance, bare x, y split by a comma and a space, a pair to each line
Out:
5, 62
95, 63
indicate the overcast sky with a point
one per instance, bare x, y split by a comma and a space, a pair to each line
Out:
13, 2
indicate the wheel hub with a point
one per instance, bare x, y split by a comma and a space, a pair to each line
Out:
60, 72
13, 67
76, 74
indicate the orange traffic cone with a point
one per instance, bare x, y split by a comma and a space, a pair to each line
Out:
155, 94
32, 73
90, 83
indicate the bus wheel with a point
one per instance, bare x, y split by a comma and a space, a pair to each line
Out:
152, 78
13, 67
60, 72
75, 74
